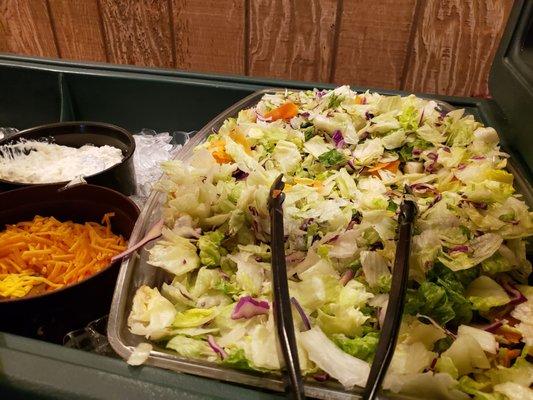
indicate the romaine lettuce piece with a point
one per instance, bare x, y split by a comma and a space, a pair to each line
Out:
375, 267
348, 370
189, 347
210, 248
174, 253
332, 158
467, 355
317, 146
485, 293
362, 347
151, 313
193, 317
482, 248
368, 151
524, 313
486, 340
513, 391
237, 359
287, 156
140, 354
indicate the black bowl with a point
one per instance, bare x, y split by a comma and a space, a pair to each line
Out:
119, 177
49, 316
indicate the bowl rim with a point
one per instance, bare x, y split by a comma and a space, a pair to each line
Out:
68, 287
20, 134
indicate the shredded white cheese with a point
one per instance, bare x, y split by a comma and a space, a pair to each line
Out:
41, 162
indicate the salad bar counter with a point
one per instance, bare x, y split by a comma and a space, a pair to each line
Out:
363, 183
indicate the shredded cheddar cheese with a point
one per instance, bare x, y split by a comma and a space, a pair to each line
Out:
48, 254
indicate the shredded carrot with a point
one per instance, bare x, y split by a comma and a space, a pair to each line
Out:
285, 111
507, 356
217, 145
309, 182
51, 254
222, 157
390, 166
304, 181
218, 151
239, 138
510, 335
360, 99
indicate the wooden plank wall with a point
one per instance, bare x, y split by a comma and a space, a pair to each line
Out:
433, 46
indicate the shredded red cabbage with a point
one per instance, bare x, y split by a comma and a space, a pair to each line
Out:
431, 167
305, 223
297, 256
437, 198
239, 174
493, 327
248, 307
421, 188
421, 118
332, 239
301, 311
261, 118
346, 277
185, 294
459, 249
481, 206
338, 139
321, 377
516, 295
215, 347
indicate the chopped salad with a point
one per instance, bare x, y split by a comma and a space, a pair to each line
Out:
467, 330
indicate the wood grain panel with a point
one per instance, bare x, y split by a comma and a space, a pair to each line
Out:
291, 39
78, 29
138, 32
209, 35
454, 46
373, 42
25, 28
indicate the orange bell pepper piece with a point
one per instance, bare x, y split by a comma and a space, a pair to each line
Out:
285, 111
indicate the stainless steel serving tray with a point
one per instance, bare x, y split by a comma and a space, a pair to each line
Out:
135, 272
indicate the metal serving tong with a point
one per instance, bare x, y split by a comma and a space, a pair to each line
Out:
281, 298
393, 316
